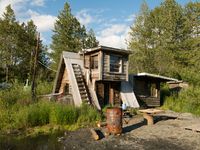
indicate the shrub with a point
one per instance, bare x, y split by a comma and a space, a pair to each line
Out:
188, 100
15, 94
21, 118
44, 88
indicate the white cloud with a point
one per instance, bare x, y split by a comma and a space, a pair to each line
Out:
17, 5
37, 2
42, 21
131, 18
116, 29
114, 36
84, 17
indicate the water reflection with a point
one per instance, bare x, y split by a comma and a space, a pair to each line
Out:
41, 142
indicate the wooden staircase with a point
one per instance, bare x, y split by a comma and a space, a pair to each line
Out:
81, 83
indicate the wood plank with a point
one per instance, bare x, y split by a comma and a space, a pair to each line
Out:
151, 111
194, 127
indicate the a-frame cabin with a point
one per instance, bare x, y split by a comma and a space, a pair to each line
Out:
98, 76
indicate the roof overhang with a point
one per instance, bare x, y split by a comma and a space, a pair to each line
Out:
156, 77
105, 48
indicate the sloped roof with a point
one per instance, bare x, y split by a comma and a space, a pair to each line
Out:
163, 78
106, 48
71, 55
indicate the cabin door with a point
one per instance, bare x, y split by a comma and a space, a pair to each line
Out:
108, 93
102, 90
115, 98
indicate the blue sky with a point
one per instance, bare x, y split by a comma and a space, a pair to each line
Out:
110, 19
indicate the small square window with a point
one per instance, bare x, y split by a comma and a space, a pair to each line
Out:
115, 63
94, 62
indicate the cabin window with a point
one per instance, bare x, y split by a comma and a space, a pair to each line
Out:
94, 62
66, 89
115, 63
153, 90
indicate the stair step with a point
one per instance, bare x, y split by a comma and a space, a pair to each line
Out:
79, 76
83, 92
77, 70
84, 97
81, 83
78, 73
81, 88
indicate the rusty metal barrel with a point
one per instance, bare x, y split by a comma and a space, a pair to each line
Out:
114, 120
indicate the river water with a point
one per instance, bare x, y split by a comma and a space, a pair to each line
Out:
41, 142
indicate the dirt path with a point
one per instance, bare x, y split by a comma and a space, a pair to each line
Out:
168, 133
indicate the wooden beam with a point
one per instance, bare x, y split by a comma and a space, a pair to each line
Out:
94, 134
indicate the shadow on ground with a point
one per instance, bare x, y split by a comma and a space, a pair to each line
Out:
144, 122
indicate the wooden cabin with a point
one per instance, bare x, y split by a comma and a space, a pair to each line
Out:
98, 76
146, 86
108, 67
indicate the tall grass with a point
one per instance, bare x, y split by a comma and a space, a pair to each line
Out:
44, 113
188, 100
38, 114
64, 114
17, 111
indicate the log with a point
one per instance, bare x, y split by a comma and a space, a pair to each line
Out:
101, 124
94, 134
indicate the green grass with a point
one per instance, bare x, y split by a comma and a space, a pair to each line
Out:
18, 112
188, 100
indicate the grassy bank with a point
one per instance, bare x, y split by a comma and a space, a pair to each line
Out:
188, 100
44, 116
18, 113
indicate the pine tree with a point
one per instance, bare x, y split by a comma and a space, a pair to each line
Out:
91, 40
17, 44
66, 34
141, 57
165, 40
8, 29
69, 35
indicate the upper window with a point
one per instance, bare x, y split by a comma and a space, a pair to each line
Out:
115, 63
94, 62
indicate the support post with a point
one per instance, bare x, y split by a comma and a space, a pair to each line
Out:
33, 87
149, 118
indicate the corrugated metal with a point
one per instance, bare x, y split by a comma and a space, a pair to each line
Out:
128, 96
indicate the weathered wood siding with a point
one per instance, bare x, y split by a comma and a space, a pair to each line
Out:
64, 81
150, 101
103, 71
114, 76
87, 61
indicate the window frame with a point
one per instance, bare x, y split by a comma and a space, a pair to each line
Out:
120, 63
94, 64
